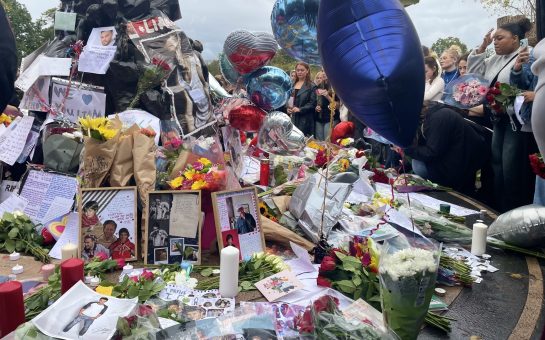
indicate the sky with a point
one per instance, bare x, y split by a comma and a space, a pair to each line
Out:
210, 21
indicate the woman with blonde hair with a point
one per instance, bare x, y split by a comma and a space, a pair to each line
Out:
449, 63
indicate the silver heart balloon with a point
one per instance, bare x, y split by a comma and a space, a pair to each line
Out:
523, 227
279, 136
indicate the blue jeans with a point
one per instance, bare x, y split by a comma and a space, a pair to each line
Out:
539, 193
322, 130
87, 321
420, 168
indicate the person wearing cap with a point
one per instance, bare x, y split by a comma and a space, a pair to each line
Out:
245, 222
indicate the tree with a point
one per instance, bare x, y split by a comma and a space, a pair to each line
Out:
29, 35
444, 43
513, 7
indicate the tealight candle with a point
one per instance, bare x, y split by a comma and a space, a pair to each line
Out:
47, 270
127, 268
95, 281
69, 251
14, 256
478, 239
87, 280
17, 269
229, 261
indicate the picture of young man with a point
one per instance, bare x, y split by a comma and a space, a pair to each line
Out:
245, 222
91, 248
107, 236
123, 248
88, 314
107, 38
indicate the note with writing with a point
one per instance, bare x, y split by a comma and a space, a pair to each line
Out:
184, 215
6, 188
79, 103
37, 97
69, 235
12, 204
43, 66
60, 206
31, 141
96, 59
13, 141
40, 189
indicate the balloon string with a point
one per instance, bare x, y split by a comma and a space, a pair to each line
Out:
332, 107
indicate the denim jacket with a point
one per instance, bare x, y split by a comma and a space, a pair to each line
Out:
525, 80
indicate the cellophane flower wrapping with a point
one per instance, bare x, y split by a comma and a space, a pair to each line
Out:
466, 92
407, 271
142, 323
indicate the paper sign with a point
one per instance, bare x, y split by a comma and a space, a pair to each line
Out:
96, 59
184, 216
79, 103
12, 142
31, 141
65, 21
279, 285
59, 207
37, 97
12, 204
519, 100
43, 66
394, 216
302, 264
69, 235
6, 188
141, 118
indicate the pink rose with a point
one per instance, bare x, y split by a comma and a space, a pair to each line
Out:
147, 275
120, 263
101, 256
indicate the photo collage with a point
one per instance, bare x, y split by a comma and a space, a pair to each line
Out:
173, 227
238, 221
108, 224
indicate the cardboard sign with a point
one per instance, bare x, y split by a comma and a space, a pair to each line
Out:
37, 97
81, 101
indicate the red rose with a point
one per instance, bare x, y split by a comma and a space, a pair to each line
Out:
144, 310
497, 85
323, 282
147, 275
120, 263
134, 278
490, 98
325, 304
48, 238
360, 153
101, 256
328, 264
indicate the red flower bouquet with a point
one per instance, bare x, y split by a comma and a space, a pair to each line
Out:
537, 164
501, 96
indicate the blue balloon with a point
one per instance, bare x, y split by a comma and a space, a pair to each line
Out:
227, 70
294, 27
269, 88
373, 58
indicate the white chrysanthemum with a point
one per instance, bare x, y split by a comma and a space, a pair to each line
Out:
17, 213
407, 263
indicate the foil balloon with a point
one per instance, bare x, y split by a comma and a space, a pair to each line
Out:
247, 118
522, 227
294, 27
279, 136
248, 51
373, 58
269, 88
227, 70
342, 130
226, 105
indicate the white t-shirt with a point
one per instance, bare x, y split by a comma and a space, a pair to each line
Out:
94, 310
434, 91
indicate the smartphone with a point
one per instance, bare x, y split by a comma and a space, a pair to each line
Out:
523, 43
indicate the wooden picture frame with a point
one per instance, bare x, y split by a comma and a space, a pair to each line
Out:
231, 227
114, 209
173, 236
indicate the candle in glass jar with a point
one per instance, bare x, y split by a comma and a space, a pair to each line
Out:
478, 240
69, 251
12, 307
71, 273
264, 173
229, 271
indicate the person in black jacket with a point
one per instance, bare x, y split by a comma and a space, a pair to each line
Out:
303, 103
8, 55
449, 149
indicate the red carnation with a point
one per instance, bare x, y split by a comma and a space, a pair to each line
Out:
101, 256
328, 264
323, 282
497, 85
537, 164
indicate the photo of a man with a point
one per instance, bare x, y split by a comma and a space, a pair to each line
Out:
107, 236
107, 37
245, 222
88, 314
91, 248
158, 237
123, 248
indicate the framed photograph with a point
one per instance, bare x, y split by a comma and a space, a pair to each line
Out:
173, 227
108, 223
238, 221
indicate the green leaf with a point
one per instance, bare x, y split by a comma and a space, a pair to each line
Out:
340, 255
346, 286
10, 246
206, 272
19, 245
358, 293
357, 281
258, 264
133, 292
13, 232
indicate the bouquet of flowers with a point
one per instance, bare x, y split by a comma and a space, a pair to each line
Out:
501, 96
537, 164
407, 281
152, 75
466, 92
99, 128
414, 183
139, 325
5, 119
200, 175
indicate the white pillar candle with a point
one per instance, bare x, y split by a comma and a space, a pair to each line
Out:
478, 240
69, 251
14, 256
229, 261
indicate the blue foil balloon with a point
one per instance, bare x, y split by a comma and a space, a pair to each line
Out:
269, 88
294, 27
373, 59
227, 70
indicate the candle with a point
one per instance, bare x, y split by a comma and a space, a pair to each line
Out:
47, 271
17, 269
71, 273
95, 281
12, 307
127, 268
264, 172
69, 251
14, 256
229, 272
478, 240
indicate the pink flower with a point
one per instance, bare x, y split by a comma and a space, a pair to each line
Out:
198, 166
120, 263
145, 310
134, 278
176, 143
483, 90
186, 184
101, 256
366, 259
147, 275
323, 282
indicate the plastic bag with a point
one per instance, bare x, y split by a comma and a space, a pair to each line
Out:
61, 147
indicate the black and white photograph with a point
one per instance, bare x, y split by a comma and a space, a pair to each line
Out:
108, 223
81, 313
173, 222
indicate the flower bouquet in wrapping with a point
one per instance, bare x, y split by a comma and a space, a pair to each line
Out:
100, 145
537, 164
201, 174
152, 76
122, 166
414, 183
407, 280
501, 96
140, 324
466, 92
62, 144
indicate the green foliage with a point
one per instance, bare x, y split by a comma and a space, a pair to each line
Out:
18, 233
29, 35
443, 44
214, 67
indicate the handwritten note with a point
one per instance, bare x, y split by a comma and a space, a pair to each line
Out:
250, 169
96, 59
41, 188
69, 235
12, 142
6, 188
141, 118
31, 141
37, 97
59, 207
12, 204
184, 215
43, 66
78, 103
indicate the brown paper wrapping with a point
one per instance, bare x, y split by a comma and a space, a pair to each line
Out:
180, 164
122, 167
278, 234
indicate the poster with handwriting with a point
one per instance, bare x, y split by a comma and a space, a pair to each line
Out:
37, 97
77, 102
13, 141
173, 223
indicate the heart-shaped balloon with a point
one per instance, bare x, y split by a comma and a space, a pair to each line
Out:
373, 58
247, 118
342, 130
522, 227
227, 104
294, 27
279, 136
269, 88
248, 51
